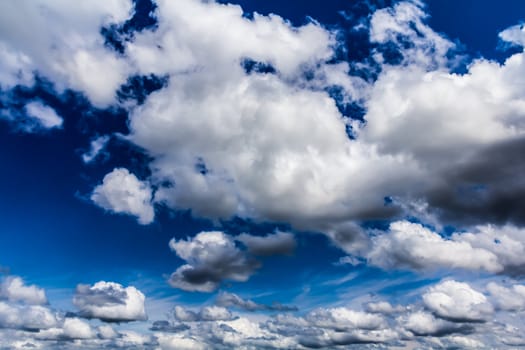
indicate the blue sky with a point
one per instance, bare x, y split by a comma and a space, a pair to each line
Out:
259, 174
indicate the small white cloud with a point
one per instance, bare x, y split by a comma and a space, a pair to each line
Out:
45, 116
109, 301
123, 192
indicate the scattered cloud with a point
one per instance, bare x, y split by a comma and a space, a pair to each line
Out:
211, 257
45, 116
122, 192
110, 302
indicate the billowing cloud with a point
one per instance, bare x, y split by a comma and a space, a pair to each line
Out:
28, 317
13, 289
211, 257
122, 192
233, 300
508, 298
457, 302
110, 302
411, 245
414, 246
273, 244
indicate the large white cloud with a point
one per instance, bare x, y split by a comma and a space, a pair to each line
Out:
122, 192
110, 301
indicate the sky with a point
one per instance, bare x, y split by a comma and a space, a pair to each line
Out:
262, 174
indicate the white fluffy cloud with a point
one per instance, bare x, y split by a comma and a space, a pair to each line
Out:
110, 302
414, 246
211, 257
123, 192
457, 301
13, 289
508, 298
411, 245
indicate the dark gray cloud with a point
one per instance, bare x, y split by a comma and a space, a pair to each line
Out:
279, 243
233, 300
485, 187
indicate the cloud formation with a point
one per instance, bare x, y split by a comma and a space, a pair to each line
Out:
457, 302
13, 289
122, 192
110, 302
211, 257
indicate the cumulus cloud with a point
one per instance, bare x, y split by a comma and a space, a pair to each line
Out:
457, 302
422, 323
13, 289
211, 257
508, 298
122, 192
28, 317
411, 245
233, 300
414, 246
296, 169
110, 302
282, 243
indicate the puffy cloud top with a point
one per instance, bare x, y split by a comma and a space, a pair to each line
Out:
110, 302
123, 192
